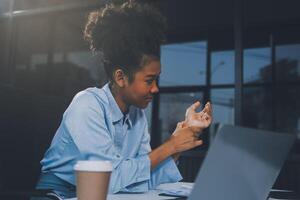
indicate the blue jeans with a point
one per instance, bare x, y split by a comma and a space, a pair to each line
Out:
49, 181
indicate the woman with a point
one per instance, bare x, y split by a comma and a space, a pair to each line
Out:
109, 123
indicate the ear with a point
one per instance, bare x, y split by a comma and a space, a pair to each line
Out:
120, 77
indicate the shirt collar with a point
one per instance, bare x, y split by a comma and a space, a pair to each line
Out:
127, 118
117, 114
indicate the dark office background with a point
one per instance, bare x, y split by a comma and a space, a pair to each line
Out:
242, 55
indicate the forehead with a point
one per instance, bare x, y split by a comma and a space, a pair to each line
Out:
151, 69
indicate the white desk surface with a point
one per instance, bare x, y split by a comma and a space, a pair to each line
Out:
150, 195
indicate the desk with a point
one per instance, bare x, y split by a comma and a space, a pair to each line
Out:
150, 195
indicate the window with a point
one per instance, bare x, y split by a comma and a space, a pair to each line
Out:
172, 110
288, 109
257, 107
5, 7
74, 67
222, 67
257, 65
223, 105
183, 64
31, 59
4, 50
34, 4
288, 62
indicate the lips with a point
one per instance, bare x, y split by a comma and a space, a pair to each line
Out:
149, 98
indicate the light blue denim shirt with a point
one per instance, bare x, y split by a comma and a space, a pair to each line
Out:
94, 128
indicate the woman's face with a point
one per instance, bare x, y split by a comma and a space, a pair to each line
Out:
144, 85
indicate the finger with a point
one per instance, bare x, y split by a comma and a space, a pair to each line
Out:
208, 118
195, 139
193, 107
198, 118
205, 116
198, 115
206, 108
179, 124
209, 108
198, 143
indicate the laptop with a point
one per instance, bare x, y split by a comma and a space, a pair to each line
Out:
241, 164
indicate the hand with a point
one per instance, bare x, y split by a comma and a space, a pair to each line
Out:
182, 139
198, 121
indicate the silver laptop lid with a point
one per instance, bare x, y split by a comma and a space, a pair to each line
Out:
241, 164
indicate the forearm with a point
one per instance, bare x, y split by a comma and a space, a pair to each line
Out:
161, 153
181, 140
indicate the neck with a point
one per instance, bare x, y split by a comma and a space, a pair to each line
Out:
116, 92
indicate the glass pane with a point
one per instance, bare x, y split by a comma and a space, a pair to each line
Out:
183, 64
5, 6
4, 49
223, 109
288, 110
73, 59
287, 62
223, 106
27, 110
31, 59
33, 4
172, 110
257, 107
222, 67
257, 65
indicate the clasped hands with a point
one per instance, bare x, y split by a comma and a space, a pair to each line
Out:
186, 135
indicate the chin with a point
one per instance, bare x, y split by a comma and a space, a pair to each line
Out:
142, 106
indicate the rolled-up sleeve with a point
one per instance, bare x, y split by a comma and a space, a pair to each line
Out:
85, 120
86, 123
165, 172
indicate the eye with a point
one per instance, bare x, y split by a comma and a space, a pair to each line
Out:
150, 81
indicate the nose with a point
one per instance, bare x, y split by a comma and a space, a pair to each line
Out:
154, 88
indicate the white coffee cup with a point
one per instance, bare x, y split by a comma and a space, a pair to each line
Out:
92, 179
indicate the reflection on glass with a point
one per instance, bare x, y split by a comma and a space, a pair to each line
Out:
288, 110
77, 68
257, 107
172, 110
5, 6
31, 55
90, 62
33, 4
223, 105
288, 62
4, 50
222, 67
257, 65
183, 64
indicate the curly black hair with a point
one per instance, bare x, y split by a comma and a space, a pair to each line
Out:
126, 35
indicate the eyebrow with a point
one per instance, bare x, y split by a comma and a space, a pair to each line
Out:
153, 75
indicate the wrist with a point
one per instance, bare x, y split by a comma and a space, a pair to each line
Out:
170, 147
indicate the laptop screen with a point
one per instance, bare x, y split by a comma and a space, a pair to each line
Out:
242, 163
